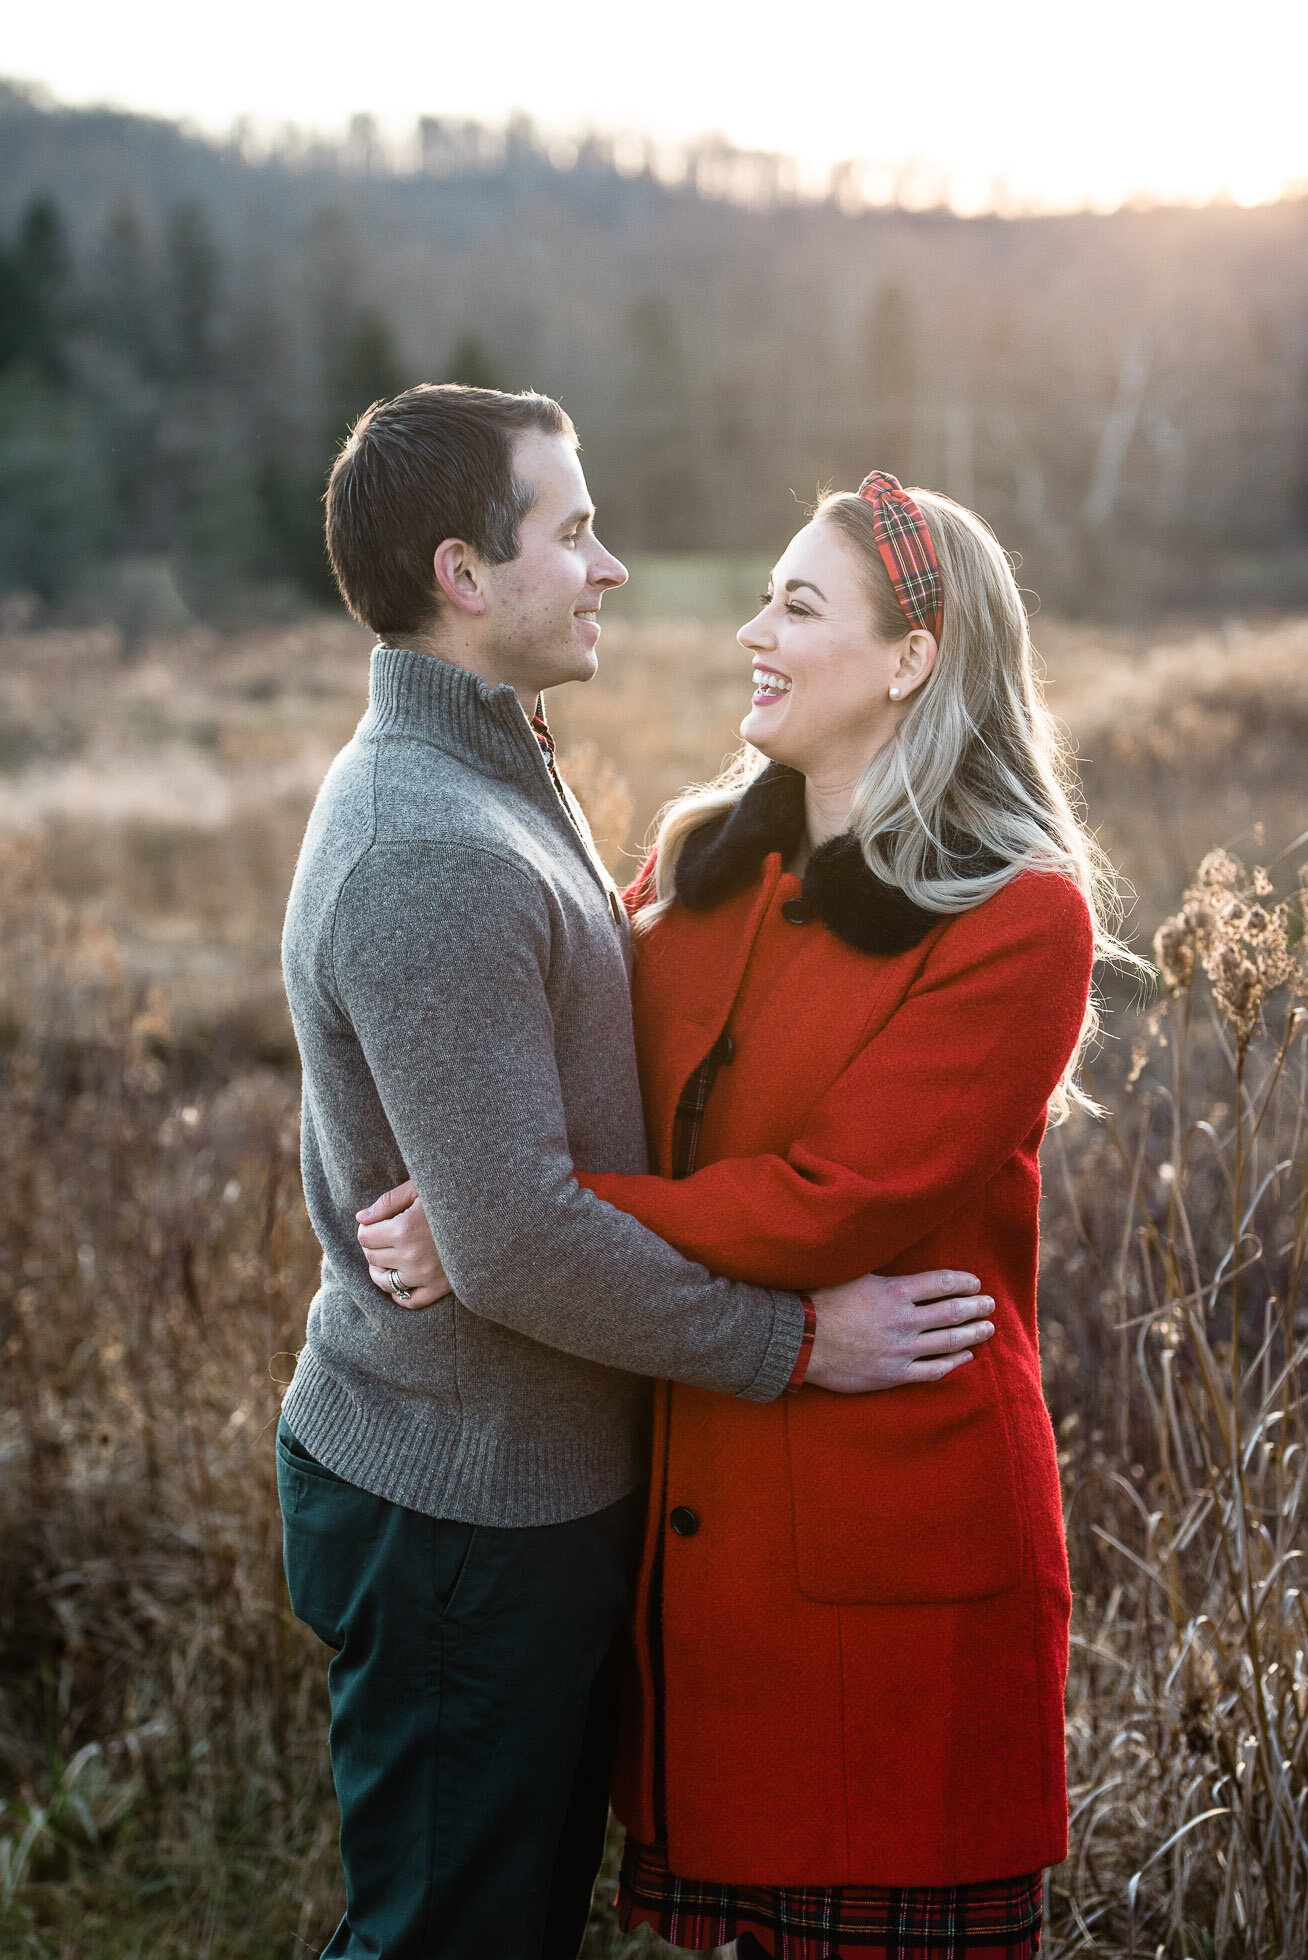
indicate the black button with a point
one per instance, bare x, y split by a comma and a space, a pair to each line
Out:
684, 1521
795, 912
724, 1048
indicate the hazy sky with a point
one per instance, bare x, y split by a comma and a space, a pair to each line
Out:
1052, 103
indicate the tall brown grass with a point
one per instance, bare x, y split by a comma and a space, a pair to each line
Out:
163, 1768
1177, 1365
164, 1789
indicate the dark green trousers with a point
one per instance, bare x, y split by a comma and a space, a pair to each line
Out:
474, 1700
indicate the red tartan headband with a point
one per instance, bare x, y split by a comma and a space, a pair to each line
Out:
906, 550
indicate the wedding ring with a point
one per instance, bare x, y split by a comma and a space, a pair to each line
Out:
398, 1288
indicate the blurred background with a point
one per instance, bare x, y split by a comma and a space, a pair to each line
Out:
190, 323
1053, 262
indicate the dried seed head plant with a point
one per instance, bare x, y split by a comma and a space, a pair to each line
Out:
1178, 1241
1231, 925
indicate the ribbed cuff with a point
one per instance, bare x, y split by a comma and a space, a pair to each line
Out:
783, 1349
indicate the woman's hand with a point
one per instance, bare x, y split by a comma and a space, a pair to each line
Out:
886, 1333
396, 1238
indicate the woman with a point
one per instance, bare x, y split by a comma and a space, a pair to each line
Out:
863, 975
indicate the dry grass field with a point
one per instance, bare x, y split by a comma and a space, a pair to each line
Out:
163, 1777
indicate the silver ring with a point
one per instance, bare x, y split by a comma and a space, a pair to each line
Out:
398, 1288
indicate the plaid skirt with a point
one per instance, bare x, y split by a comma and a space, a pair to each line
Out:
995, 1921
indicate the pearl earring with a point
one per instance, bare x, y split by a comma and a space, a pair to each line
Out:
894, 694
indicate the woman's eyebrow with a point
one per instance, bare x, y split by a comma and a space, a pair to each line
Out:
793, 585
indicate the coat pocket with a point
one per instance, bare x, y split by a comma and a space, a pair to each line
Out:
905, 1497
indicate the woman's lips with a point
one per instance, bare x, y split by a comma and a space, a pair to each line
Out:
769, 686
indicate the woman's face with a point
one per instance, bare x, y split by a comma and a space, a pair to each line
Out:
822, 675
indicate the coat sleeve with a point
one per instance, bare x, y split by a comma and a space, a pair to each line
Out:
448, 1001
928, 1111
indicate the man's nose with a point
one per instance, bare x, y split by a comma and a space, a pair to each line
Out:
609, 571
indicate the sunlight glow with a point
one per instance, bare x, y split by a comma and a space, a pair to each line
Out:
1017, 105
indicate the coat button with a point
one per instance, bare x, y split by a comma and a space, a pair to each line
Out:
724, 1048
684, 1521
795, 912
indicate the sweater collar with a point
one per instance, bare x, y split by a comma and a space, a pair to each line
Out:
418, 696
722, 857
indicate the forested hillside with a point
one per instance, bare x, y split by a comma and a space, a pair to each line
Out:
187, 327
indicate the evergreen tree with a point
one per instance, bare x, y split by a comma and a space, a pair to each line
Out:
289, 503
125, 309
472, 364
190, 291
34, 272
364, 368
53, 506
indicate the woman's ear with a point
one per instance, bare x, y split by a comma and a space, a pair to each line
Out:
917, 658
459, 575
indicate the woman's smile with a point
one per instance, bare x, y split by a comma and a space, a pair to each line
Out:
769, 686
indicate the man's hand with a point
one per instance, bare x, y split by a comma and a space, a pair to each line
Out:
884, 1333
396, 1238
871, 1333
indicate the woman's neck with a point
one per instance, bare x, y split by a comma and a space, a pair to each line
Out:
826, 815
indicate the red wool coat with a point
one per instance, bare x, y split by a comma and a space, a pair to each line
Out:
864, 1641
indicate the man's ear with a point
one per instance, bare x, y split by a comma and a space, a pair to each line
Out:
459, 575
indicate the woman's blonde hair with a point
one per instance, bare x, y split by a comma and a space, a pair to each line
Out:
977, 770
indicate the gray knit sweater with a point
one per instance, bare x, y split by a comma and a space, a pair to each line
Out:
457, 967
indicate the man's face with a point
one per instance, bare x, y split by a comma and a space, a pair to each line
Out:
543, 606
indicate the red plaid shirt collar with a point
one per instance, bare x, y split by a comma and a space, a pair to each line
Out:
540, 728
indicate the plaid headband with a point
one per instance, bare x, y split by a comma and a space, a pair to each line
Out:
906, 550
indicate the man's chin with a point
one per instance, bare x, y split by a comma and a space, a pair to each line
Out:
580, 664
557, 667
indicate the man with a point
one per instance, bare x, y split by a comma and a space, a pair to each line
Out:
461, 1485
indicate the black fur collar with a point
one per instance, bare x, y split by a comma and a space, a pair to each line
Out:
722, 858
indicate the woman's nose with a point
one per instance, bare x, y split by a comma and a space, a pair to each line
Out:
754, 636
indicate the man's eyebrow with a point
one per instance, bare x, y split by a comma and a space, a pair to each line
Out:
793, 585
582, 516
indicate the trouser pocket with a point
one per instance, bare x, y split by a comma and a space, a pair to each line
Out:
346, 1551
331, 1531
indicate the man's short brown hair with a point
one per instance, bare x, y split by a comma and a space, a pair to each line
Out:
434, 463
